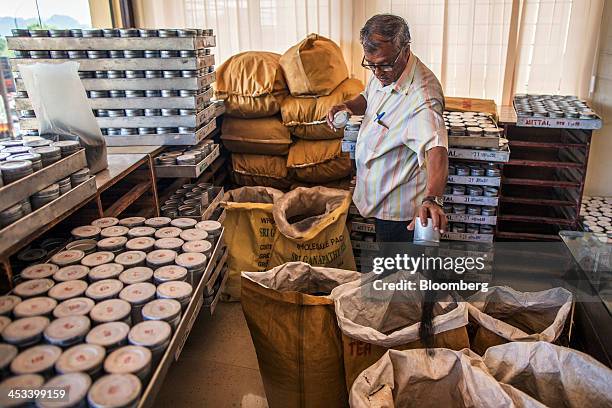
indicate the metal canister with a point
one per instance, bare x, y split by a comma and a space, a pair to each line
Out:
110, 335
168, 310
80, 306
187, 92
138, 274
65, 185
39, 54
200, 246
158, 222
462, 170
173, 244
458, 189
179, 291
184, 223
141, 244
171, 73
97, 54
99, 94
111, 310
78, 384
473, 210
26, 382
86, 232
8, 303
67, 331
152, 334
146, 131
115, 113
10, 215
104, 289
129, 32
45, 196
189, 73
58, 54
39, 271
114, 231
15, 170
169, 54
160, 257
20, 32
130, 93
195, 263
105, 222
31, 256
48, 154
493, 171
169, 93
132, 74
150, 73
116, 54
474, 191
8, 352
132, 222
459, 208
33, 287
68, 289
36, 360
426, 234
472, 228
142, 231
489, 211
131, 259
71, 272
112, 244
36, 306
458, 227
133, 54
105, 271
170, 273
134, 360
146, 32
168, 32
152, 93
168, 232
490, 192
98, 258
137, 295
92, 32
486, 229
110, 32
69, 257
26, 331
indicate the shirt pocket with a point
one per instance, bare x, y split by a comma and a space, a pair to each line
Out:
372, 144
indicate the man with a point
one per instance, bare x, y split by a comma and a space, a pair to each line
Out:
401, 152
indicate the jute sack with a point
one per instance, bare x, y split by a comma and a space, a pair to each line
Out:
555, 376
251, 84
260, 170
342, 184
293, 327
318, 161
315, 66
455, 104
249, 232
450, 379
503, 314
373, 321
302, 115
311, 225
256, 136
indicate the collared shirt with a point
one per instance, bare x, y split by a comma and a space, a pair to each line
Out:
390, 152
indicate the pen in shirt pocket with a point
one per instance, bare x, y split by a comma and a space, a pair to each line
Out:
378, 120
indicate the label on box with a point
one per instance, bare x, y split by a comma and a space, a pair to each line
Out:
473, 219
363, 227
473, 200
528, 121
462, 236
475, 180
482, 155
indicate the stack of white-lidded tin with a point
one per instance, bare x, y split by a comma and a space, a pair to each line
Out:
596, 213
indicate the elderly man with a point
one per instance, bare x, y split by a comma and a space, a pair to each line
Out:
401, 152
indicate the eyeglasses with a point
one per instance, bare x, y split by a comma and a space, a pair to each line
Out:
382, 67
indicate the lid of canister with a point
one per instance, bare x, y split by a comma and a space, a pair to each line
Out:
137, 232
183, 223
170, 273
105, 222
158, 222
105, 271
39, 271
98, 258
36, 306
138, 293
131, 258
85, 245
114, 231
68, 289
34, 287
212, 227
168, 232
127, 359
112, 243
86, 231
140, 244
79, 306
104, 289
7, 303
108, 334
111, 310
132, 222
169, 243
69, 257
19, 382
21, 330
67, 328
114, 390
77, 383
161, 309
35, 359
137, 274
191, 260
193, 234
174, 290
161, 256
150, 333
71, 272
197, 246
7, 353
80, 358
4, 321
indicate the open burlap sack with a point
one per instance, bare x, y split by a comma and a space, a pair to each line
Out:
318, 161
260, 170
311, 224
555, 376
293, 327
450, 379
503, 314
249, 232
342, 184
256, 136
301, 115
251, 84
373, 321
315, 66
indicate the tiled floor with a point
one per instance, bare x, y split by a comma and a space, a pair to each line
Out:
218, 366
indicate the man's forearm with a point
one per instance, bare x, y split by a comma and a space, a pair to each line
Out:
357, 105
437, 171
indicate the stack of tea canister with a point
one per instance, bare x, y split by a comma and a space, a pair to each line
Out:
596, 213
190, 200
153, 86
99, 315
191, 156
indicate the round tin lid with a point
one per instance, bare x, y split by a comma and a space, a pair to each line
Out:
197, 246
80, 358
131, 258
174, 290
191, 260
127, 359
168, 232
80, 306
77, 383
36, 306
48, 191
4, 321
65, 258
212, 227
138, 293
20, 382
140, 244
137, 274
105, 271
161, 256
71, 272
34, 287
17, 166
141, 232
114, 231
108, 334
169, 243
183, 223
7, 353
194, 234
7, 303
68, 289
112, 243
105, 222
98, 258
158, 222
150, 333
23, 329
132, 222
161, 309
39, 271
170, 273
114, 390
66, 328
35, 359
86, 231
104, 289
85, 245
110, 311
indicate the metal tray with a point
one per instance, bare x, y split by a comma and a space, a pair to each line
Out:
169, 139
471, 200
475, 141
462, 236
19, 190
475, 180
473, 219
126, 64
560, 123
501, 156
112, 43
187, 171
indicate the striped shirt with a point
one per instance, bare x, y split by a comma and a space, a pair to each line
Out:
390, 153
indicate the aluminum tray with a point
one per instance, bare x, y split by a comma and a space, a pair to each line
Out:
500, 156
187, 171
125, 64
475, 141
587, 124
462, 236
112, 43
169, 139
475, 180
473, 219
472, 200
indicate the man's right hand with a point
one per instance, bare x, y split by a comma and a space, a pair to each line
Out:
333, 110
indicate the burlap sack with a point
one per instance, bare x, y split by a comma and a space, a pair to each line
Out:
455, 104
299, 113
342, 184
373, 321
249, 232
251, 84
450, 379
503, 314
556, 376
318, 161
311, 224
260, 170
315, 66
298, 350
256, 136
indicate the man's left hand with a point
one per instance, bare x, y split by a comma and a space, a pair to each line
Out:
433, 211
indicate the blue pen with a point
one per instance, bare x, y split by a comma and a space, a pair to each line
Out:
379, 116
